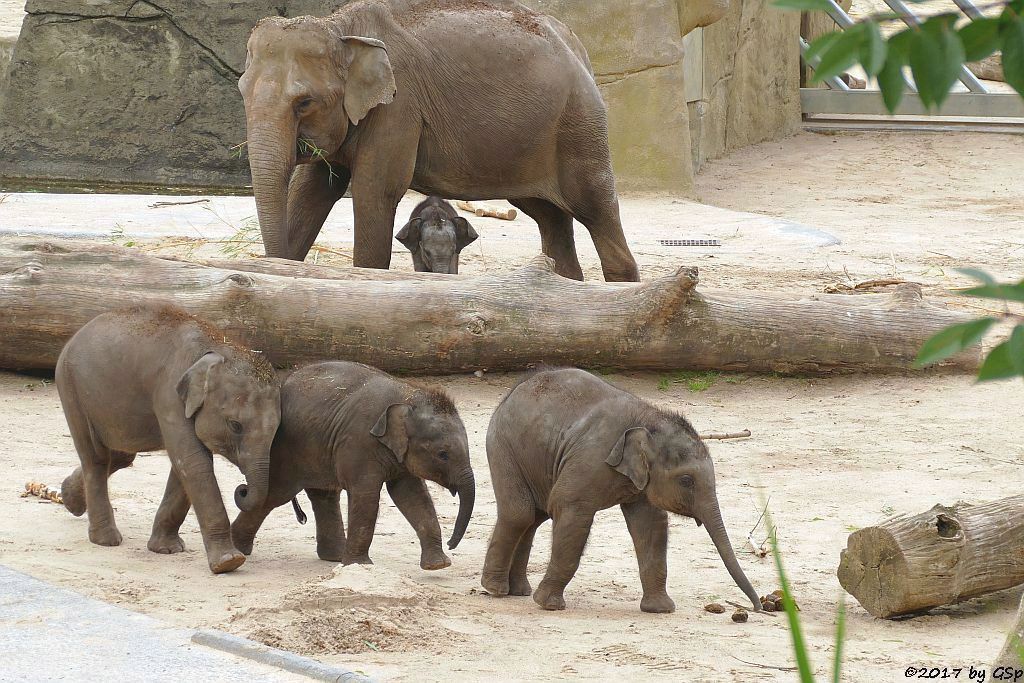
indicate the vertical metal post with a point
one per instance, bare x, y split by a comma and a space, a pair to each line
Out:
834, 82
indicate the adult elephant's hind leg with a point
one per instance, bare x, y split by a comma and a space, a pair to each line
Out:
556, 237
312, 193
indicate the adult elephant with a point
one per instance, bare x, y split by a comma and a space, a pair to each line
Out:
469, 100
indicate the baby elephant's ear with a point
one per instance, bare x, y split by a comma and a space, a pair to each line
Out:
194, 383
392, 429
465, 235
409, 235
629, 456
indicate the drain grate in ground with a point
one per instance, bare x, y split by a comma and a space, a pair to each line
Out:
690, 243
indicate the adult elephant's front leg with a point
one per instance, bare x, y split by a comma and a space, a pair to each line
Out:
380, 178
413, 501
648, 526
312, 193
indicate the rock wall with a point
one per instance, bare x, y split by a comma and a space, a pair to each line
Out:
751, 80
133, 91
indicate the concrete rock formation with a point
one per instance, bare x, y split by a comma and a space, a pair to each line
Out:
144, 92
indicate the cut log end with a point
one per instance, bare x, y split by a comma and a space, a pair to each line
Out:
874, 570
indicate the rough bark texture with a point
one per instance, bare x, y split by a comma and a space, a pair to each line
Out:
440, 324
939, 557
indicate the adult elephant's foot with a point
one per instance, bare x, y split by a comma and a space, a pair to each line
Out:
519, 586
495, 584
657, 603
166, 543
434, 558
549, 596
352, 558
107, 535
72, 492
229, 561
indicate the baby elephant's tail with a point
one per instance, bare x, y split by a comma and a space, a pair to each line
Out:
299, 514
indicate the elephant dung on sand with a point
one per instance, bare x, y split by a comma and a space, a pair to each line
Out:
467, 100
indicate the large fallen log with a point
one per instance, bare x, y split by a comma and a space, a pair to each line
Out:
939, 557
438, 324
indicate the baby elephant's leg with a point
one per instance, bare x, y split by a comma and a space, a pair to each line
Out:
413, 501
648, 526
363, 506
568, 539
516, 516
518, 583
330, 527
169, 517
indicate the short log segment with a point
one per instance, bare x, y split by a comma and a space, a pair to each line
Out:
946, 555
440, 324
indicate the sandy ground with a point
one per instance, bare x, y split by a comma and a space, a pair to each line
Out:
832, 455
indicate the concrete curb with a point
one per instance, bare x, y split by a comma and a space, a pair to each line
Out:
304, 666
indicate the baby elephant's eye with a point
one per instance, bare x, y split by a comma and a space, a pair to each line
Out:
443, 455
686, 480
236, 427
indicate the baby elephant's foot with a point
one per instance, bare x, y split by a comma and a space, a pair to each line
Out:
434, 558
73, 494
108, 535
242, 541
549, 597
224, 562
166, 543
495, 584
519, 586
658, 603
353, 558
331, 552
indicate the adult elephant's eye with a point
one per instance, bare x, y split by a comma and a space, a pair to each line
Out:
236, 427
304, 104
443, 455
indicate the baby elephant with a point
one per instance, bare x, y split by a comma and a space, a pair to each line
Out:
151, 378
435, 234
565, 444
348, 426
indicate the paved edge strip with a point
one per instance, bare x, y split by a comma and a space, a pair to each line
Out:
289, 661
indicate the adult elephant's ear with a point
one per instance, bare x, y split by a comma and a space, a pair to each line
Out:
629, 456
392, 429
193, 384
369, 80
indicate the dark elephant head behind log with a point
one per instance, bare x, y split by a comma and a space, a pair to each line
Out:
436, 234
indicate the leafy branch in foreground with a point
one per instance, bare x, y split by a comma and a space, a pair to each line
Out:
1006, 359
935, 50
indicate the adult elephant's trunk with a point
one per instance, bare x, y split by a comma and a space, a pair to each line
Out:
251, 495
466, 488
716, 529
272, 159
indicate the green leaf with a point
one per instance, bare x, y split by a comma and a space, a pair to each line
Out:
936, 55
995, 291
841, 54
979, 275
952, 340
802, 5
819, 45
1012, 35
890, 82
872, 52
803, 661
980, 38
837, 660
998, 364
1015, 349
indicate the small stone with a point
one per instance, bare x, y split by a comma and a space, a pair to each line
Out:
714, 608
478, 373
740, 616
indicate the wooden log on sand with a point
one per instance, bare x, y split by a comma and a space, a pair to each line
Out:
428, 323
940, 557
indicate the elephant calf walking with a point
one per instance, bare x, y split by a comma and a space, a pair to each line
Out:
564, 444
348, 426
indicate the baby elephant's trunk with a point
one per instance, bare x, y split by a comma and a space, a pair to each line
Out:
466, 489
716, 529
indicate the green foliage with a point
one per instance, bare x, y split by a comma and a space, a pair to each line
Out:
1006, 359
935, 50
695, 381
